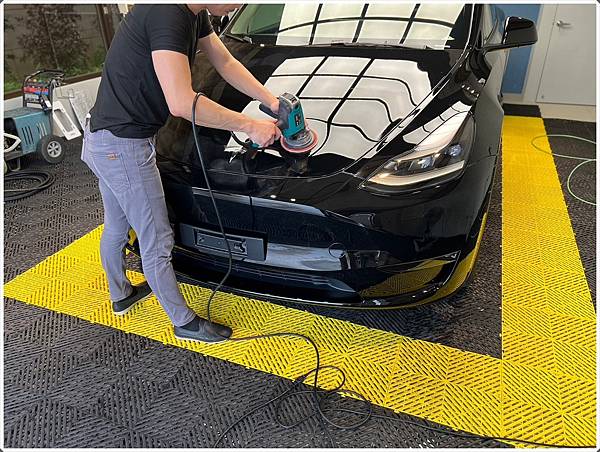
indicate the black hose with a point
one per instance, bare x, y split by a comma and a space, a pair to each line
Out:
43, 179
247, 144
318, 394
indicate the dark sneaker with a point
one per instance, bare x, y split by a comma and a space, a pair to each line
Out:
123, 306
201, 330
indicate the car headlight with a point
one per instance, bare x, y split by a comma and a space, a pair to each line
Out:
440, 157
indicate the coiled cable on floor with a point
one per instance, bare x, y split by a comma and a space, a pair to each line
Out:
584, 160
316, 392
319, 396
42, 179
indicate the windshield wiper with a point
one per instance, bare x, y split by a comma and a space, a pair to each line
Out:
374, 44
240, 38
358, 44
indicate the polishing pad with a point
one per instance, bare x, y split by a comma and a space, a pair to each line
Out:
305, 144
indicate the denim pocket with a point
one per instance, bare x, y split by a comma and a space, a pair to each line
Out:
148, 153
110, 168
85, 140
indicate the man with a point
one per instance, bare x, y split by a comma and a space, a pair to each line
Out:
146, 77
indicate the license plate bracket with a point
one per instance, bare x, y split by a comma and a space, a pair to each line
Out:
211, 242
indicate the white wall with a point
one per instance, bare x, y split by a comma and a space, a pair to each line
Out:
534, 75
89, 87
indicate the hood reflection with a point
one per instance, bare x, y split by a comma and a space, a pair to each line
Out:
349, 101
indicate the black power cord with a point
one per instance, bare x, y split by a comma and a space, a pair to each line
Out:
319, 396
246, 144
43, 179
323, 419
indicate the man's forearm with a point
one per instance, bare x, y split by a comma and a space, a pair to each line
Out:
173, 72
211, 114
242, 79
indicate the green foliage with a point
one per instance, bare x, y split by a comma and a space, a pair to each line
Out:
11, 81
49, 35
11, 85
93, 64
52, 39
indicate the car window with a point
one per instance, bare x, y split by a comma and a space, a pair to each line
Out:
405, 24
487, 24
499, 19
492, 28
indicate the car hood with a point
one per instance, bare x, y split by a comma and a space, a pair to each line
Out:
351, 98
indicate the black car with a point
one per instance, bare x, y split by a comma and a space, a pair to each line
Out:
389, 208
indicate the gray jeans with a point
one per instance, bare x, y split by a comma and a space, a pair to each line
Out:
132, 194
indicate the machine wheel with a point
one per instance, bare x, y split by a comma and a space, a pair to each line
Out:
53, 148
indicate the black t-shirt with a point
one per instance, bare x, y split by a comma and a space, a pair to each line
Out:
130, 101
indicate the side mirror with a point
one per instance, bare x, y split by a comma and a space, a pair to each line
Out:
517, 32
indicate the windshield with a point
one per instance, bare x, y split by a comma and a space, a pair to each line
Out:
437, 25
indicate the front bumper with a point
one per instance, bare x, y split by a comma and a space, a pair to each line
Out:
353, 250
367, 288
400, 285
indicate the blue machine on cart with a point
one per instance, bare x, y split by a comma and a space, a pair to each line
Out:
30, 129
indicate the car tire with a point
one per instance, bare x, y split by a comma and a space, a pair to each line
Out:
53, 148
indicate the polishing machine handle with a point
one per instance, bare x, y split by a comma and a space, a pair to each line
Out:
265, 109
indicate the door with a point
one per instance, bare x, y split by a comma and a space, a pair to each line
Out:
569, 74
